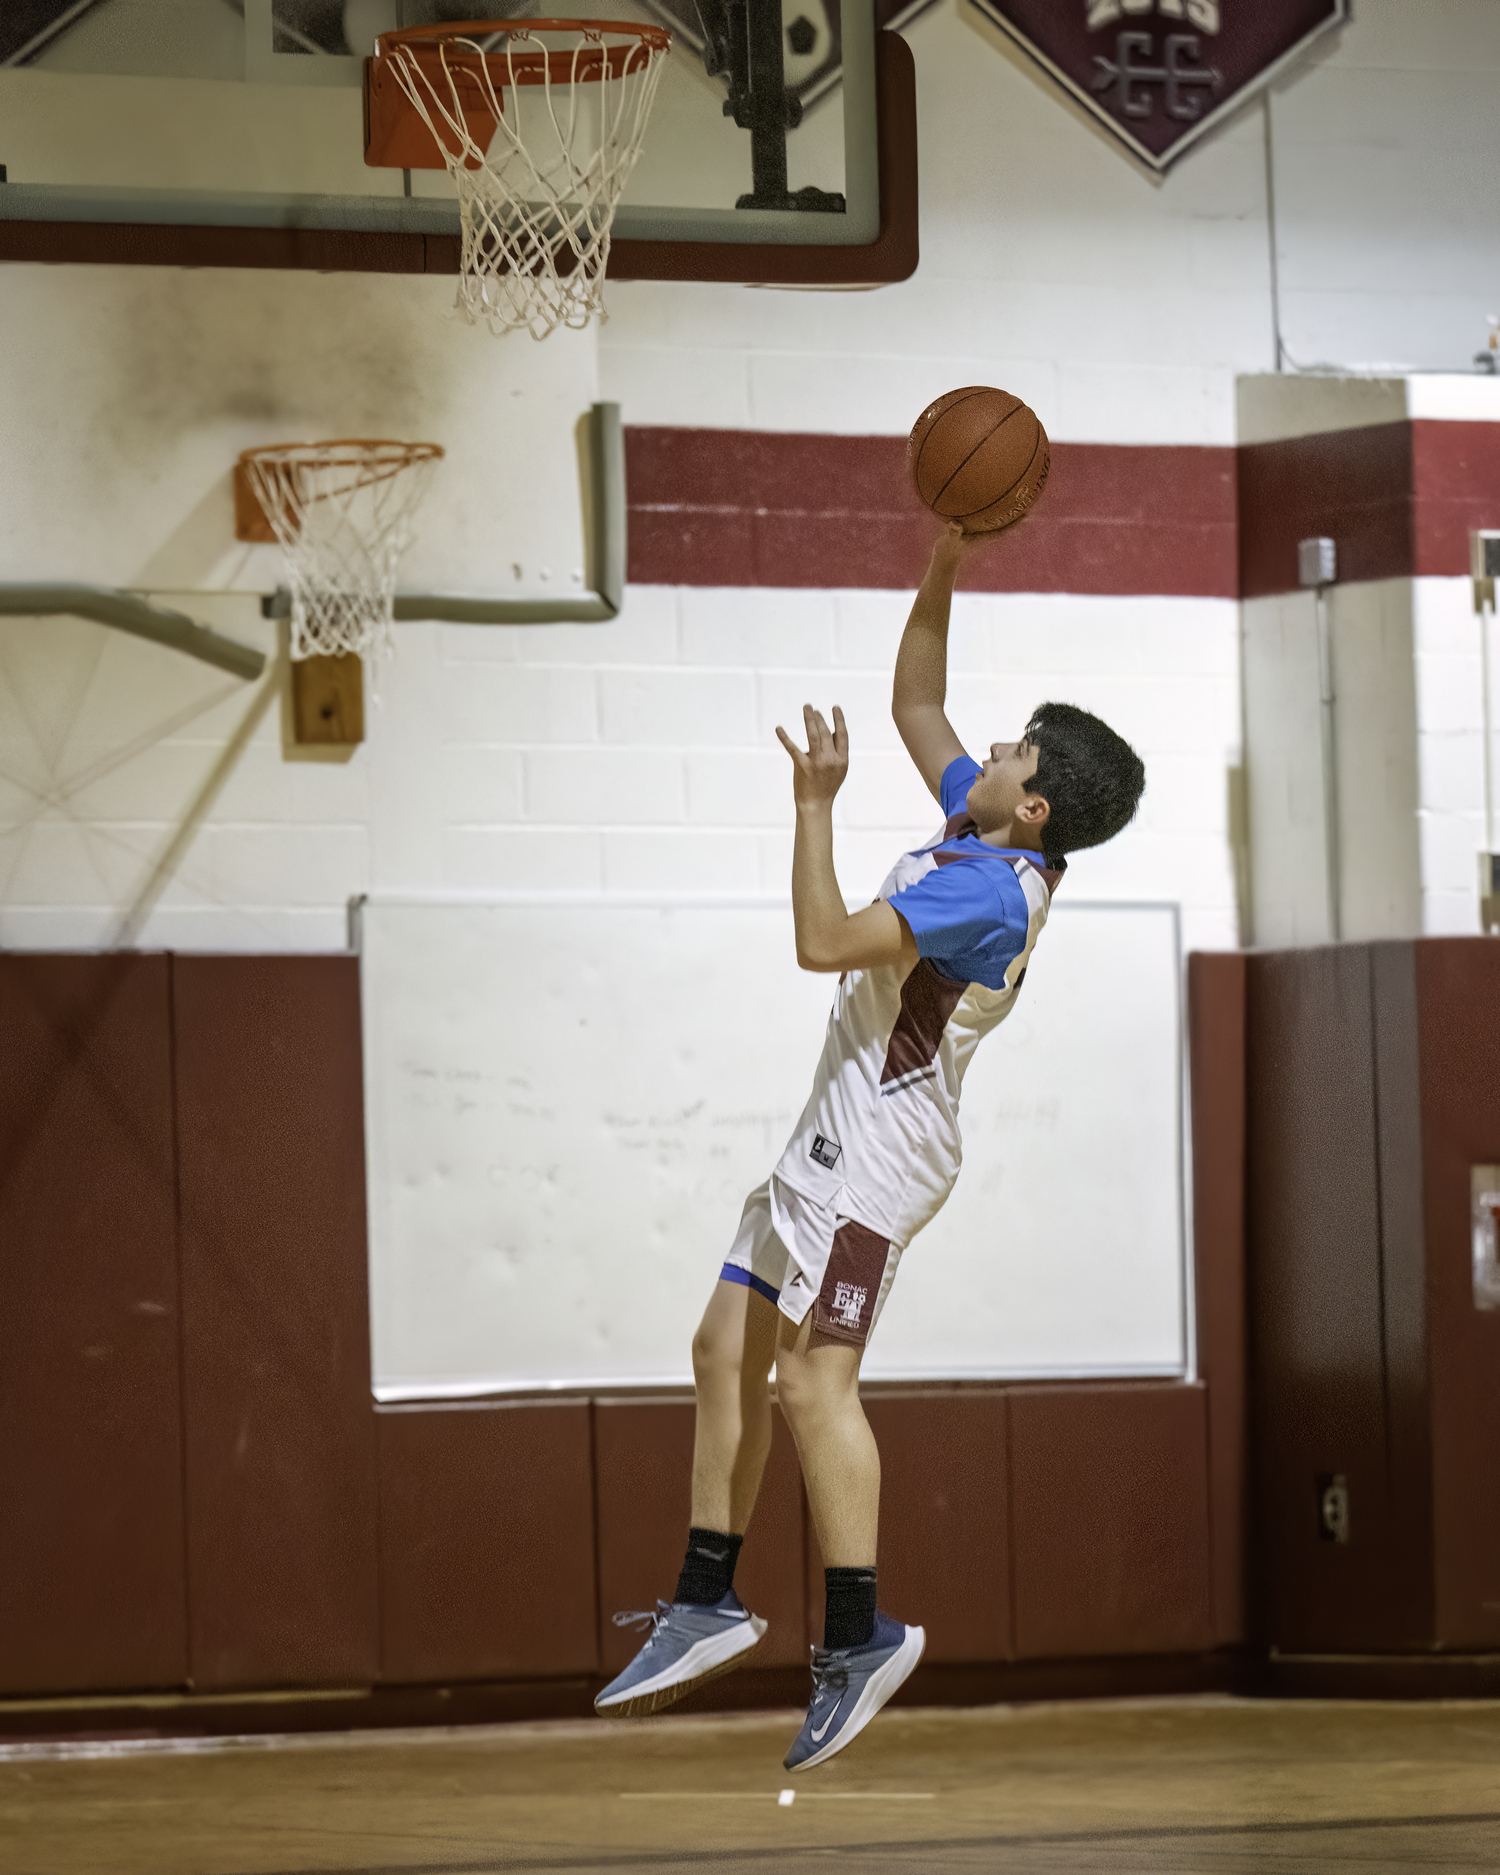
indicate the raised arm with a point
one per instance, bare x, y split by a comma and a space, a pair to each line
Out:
829, 937
921, 685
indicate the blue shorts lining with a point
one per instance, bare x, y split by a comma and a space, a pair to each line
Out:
732, 1273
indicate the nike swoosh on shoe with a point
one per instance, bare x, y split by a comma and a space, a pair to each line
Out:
817, 1735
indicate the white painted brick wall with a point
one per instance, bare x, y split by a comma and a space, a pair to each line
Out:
1450, 752
1120, 305
538, 759
638, 755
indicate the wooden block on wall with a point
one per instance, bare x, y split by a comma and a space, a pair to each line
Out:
328, 701
1109, 1519
92, 1591
486, 1542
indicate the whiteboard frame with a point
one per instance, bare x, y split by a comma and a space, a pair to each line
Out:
410, 1397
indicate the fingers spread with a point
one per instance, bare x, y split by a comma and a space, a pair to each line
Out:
786, 742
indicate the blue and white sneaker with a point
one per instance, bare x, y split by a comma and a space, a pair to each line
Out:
687, 1646
850, 1687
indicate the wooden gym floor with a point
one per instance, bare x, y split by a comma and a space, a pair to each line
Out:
1200, 1785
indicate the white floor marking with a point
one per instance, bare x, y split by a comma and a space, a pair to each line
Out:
783, 1797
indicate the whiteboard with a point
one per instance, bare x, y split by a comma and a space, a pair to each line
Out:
567, 1100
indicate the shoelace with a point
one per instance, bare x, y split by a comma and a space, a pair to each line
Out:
829, 1676
635, 1617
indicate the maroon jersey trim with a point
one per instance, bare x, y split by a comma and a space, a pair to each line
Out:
928, 999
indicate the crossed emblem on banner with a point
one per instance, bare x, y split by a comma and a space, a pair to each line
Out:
1184, 79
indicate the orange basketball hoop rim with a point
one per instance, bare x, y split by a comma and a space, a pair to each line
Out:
454, 55
341, 513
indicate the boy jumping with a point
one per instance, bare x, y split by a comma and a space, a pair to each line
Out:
934, 964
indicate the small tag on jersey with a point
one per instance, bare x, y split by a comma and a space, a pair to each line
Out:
825, 1151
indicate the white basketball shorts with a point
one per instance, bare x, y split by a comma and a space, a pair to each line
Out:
801, 1257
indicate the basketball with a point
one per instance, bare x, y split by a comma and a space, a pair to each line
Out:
980, 457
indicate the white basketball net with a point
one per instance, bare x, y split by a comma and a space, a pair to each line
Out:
341, 513
535, 208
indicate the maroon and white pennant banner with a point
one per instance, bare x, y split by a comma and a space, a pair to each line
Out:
1161, 72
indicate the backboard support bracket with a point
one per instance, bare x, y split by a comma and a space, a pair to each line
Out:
605, 451
128, 612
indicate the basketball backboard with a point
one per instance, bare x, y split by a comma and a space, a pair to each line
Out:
134, 129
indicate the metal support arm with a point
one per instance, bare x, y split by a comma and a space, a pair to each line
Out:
128, 613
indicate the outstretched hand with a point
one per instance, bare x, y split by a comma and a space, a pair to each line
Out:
954, 544
818, 774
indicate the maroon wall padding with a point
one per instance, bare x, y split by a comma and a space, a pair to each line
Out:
91, 1552
1458, 1002
1456, 474
1109, 1519
643, 1467
772, 1570
280, 1473
643, 1471
1352, 485
757, 508
1338, 1343
944, 1519
486, 1542
1216, 1045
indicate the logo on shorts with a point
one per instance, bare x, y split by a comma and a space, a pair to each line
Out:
848, 1304
825, 1151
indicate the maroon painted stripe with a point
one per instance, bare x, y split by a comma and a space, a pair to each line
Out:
1398, 498
761, 508
1456, 474
1353, 485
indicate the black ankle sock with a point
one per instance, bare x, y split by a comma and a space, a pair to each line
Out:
708, 1568
850, 1617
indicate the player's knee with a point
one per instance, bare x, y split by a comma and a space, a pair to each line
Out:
804, 1391
717, 1356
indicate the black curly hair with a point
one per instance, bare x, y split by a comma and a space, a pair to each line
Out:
1090, 778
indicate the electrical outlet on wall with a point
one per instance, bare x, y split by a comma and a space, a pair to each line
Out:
1484, 1189
1489, 891
1333, 1507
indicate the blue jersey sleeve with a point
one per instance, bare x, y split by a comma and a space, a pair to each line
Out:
969, 916
958, 777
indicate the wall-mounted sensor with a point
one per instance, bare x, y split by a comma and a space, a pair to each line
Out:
1317, 561
1484, 564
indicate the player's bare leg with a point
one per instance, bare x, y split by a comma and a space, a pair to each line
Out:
865, 1655
817, 1384
732, 1355
705, 1629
